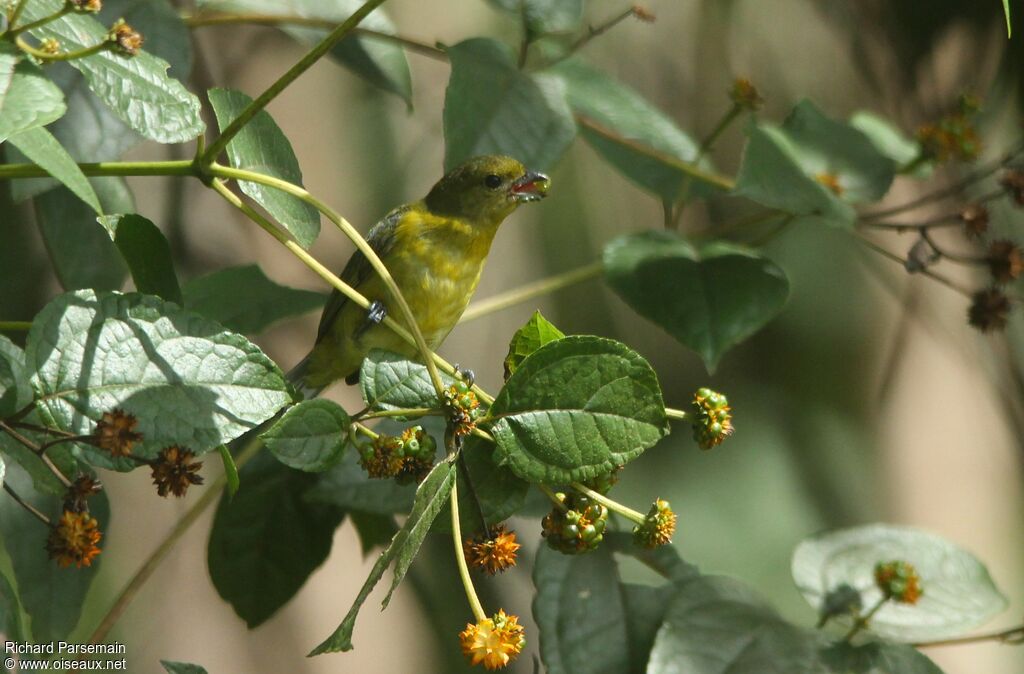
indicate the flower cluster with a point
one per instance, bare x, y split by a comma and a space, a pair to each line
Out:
576, 525
493, 550
462, 407
125, 39
115, 433
407, 458
712, 420
658, 527
898, 581
953, 137
493, 642
744, 95
73, 539
174, 470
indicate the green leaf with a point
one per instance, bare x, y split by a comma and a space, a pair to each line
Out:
52, 596
639, 140
890, 141
375, 531
310, 436
15, 391
267, 540
262, 147
43, 481
11, 624
28, 98
262, 304
166, 34
42, 148
492, 107
82, 252
579, 610
381, 63
430, 496
788, 168
230, 470
716, 624
144, 247
709, 299
187, 381
499, 492
543, 17
577, 408
645, 608
536, 333
663, 560
390, 381
958, 592
876, 658
137, 89
346, 485
181, 668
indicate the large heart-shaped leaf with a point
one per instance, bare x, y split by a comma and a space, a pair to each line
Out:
493, 107
709, 299
576, 408
958, 593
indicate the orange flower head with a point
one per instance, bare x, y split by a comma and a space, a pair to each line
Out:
115, 432
898, 581
494, 551
494, 642
174, 470
73, 539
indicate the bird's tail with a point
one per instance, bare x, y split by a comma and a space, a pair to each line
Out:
297, 378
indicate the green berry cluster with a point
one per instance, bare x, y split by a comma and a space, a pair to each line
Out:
407, 458
712, 420
578, 528
462, 407
658, 526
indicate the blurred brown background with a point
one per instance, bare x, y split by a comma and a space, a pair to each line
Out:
869, 399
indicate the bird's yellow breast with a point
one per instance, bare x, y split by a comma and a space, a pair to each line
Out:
437, 263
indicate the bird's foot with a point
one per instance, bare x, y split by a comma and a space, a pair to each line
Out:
375, 313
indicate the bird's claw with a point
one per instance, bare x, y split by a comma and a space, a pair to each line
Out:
375, 313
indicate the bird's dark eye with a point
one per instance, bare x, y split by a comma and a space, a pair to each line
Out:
492, 181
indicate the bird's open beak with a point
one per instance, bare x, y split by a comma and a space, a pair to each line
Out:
532, 186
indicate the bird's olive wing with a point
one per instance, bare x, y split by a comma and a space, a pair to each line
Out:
381, 239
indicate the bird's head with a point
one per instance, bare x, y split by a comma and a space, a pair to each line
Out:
486, 189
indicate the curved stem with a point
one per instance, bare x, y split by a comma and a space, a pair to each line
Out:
15, 30
862, 621
614, 506
529, 291
148, 567
546, 490
311, 57
1014, 635
396, 294
949, 283
460, 557
411, 412
26, 505
60, 56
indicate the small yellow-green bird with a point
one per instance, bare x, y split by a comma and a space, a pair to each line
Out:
435, 249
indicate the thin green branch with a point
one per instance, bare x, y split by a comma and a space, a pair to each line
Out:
307, 61
411, 412
208, 498
15, 326
396, 294
552, 496
687, 168
862, 621
221, 19
966, 292
26, 505
614, 506
39, 451
677, 415
16, 30
460, 557
15, 15
44, 55
121, 168
529, 291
